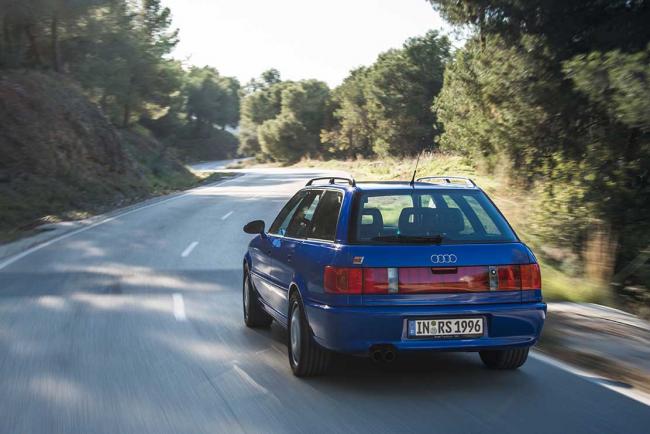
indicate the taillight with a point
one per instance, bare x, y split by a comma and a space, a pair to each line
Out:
375, 281
343, 280
509, 277
531, 277
340, 280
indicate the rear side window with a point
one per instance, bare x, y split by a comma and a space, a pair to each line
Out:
326, 216
482, 215
301, 221
281, 222
436, 216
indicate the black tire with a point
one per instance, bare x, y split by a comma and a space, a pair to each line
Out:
504, 359
311, 359
254, 315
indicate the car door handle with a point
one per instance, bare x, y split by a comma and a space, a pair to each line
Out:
289, 257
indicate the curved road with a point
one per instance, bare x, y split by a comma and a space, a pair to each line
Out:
135, 326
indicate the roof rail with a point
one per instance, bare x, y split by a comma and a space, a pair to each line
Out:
448, 180
332, 180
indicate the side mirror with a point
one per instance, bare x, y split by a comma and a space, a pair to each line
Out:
254, 227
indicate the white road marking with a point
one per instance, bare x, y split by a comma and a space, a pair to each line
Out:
38, 247
634, 394
227, 215
179, 307
189, 249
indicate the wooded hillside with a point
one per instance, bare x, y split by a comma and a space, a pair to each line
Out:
95, 112
61, 157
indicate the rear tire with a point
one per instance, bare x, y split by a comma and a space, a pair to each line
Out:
504, 359
254, 315
306, 357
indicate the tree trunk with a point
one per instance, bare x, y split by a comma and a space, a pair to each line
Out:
600, 256
103, 102
198, 124
127, 115
127, 104
56, 56
33, 44
481, 27
12, 34
4, 43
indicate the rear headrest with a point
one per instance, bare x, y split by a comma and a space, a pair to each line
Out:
377, 218
430, 221
374, 228
415, 221
449, 220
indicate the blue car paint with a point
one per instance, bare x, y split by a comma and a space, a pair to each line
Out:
353, 323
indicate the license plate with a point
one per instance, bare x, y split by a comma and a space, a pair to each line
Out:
446, 327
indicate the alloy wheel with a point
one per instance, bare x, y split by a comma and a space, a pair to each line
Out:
295, 334
247, 296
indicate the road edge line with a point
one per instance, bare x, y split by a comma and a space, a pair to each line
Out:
108, 218
591, 377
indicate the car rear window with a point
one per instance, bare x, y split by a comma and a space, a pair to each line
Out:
436, 216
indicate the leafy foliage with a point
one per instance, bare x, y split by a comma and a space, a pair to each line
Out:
569, 26
211, 98
119, 51
385, 109
283, 119
352, 131
294, 133
557, 92
501, 101
618, 82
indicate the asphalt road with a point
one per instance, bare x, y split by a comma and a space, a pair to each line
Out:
135, 326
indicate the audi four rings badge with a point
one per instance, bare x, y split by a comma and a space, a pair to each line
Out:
444, 259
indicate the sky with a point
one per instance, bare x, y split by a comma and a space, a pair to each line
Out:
301, 38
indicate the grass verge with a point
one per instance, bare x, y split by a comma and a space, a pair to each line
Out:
69, 207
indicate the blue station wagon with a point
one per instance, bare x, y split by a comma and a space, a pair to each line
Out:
379, 268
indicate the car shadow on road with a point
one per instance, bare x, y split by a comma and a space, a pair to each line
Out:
417, 369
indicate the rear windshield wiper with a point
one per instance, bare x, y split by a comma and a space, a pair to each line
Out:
435, 239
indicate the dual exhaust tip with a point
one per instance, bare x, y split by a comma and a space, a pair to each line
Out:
383, 354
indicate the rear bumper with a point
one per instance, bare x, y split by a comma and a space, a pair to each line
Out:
354, 329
